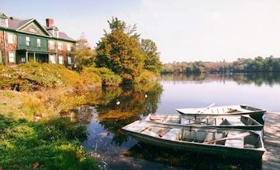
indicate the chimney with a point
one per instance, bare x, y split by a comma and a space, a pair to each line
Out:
49, 22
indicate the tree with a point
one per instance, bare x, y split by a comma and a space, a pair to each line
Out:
120, 52
85, 56
151, 62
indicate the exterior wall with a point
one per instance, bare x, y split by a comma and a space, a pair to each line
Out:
33, 42
63, 52
5, 47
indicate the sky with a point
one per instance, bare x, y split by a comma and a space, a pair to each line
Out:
183, 30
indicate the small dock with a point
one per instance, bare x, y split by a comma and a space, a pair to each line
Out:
271, 158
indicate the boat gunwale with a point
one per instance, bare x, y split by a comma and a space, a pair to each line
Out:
259, 126
255, 111
260, 149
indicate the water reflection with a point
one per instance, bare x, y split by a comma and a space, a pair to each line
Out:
249, 78
111, 109
127, 107
189, 160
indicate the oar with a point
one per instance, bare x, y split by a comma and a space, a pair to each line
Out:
229, 138
211, 105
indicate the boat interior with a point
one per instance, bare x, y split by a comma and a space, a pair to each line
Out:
202, 120
237, 139
221, 109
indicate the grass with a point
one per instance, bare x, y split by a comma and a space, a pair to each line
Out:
54, 144
35, 76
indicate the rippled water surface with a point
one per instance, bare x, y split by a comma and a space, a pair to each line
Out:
120, 107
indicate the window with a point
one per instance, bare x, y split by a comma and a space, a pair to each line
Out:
60, 59
23, 59
69, 60
3, 22
27, 41
55, 33
68, 47
59, 46
38, 42
52, 59
10, 38
12, 57
51, 43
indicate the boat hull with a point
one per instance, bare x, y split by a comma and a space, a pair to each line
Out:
195, 147
255, 113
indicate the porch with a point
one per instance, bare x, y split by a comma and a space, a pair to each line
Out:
25, 56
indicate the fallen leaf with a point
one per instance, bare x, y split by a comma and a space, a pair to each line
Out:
35, 165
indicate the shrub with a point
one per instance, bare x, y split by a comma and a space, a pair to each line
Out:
145, 77
108, 77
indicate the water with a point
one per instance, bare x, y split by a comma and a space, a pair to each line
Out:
118, 108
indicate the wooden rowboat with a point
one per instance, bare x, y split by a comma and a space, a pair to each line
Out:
230, 142
254, 113
238, 122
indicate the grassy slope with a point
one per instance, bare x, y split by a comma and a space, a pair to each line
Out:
44, 91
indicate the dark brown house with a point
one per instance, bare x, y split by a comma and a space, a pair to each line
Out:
27, 40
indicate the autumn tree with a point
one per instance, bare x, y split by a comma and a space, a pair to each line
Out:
152, 61
85, 56
119, 50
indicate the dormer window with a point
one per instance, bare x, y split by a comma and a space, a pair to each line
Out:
3, 22
55, 32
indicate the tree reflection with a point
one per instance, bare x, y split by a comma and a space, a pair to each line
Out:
129, 105
189, 160
249, 78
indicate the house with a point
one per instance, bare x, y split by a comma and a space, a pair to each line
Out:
22, 41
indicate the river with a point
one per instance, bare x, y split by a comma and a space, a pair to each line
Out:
119, 107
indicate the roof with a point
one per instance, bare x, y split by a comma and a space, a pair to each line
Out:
61, 35
16, 24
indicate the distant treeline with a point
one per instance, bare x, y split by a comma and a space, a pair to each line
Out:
259, 64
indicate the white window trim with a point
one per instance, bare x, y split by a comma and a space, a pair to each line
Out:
52, 61
27, 39
51, 43
38, 42
5, 21
12, 57
59, 45
60, 61
10, 38
69, 59
68, 47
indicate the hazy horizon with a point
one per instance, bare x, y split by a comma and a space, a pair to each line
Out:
184, 30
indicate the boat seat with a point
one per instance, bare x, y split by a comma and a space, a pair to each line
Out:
234, 121
236, 142
184, 121
173, 134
